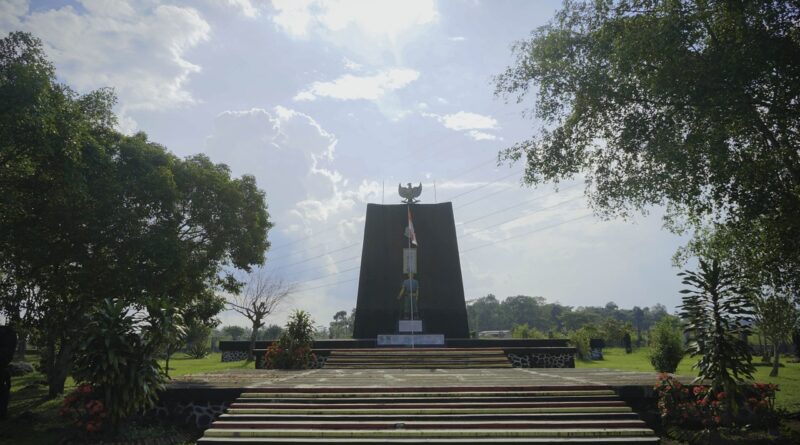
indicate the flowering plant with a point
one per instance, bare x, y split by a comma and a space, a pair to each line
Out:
293, 348
83, 409
701, 407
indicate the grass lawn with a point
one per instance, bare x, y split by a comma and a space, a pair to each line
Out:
788, 397
181, 364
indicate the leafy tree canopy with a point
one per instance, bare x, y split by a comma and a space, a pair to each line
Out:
690, 103
88, 213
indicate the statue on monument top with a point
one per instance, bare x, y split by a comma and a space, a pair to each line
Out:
409, 194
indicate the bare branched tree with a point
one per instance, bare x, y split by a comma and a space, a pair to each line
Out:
258, 299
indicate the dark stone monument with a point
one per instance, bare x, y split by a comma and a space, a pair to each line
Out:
441, 291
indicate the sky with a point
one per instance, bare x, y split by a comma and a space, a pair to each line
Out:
330, 105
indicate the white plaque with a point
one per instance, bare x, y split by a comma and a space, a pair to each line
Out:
411, 340
409, 260
409, 326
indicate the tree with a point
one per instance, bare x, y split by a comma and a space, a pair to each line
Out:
342, 325
259, 298
234, 332
687, 103
776, 316
716, 311
87, 213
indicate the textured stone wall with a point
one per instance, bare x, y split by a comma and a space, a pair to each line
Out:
542, 360
234, 356
197, 414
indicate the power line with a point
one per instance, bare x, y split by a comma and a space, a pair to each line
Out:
525, 234
502, 191
319, 267
281, 246
519, 205
327, 285
484, 185
318, 256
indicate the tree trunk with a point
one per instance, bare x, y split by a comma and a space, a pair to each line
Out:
776, 363
57, 373
251, 355
22, 346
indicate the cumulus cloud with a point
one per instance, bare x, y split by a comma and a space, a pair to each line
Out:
376, 18
350, 87
137, 48
469, 123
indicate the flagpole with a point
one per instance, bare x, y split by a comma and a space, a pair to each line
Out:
411, 283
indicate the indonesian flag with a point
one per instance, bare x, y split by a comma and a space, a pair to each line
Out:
410, 229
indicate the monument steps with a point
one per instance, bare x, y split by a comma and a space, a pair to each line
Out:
392, 358
480, 415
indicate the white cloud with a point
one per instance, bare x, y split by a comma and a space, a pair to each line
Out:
245, 7
350, 87
376, 18
138, 49
457, 39
469, 121
352, 66
482, 136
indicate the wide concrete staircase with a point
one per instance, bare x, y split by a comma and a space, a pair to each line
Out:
394, 358
470, 415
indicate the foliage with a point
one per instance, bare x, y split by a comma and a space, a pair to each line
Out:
776, 316
342, 325
83, 409
490, 314
666, 345
580, 340
525, 331
701, 407
88, 213
234, 332
716, 311
197, 339
688, 103
293, 349
118, 362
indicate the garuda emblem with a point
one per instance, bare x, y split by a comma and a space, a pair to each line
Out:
409, 194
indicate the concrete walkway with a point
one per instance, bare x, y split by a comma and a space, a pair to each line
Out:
417, 377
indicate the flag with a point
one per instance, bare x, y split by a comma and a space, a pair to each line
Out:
410, 229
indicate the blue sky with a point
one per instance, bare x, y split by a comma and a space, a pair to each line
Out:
328, 103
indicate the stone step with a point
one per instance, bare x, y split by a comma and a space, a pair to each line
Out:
447, 404
461, 440
461, 394
421, 425
441, 410
381, 416
425, 399
417, 365
454, 390
453, 433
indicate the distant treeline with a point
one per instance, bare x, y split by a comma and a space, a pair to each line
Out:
534, 316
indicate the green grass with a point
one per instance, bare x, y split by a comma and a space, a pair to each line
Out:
181, 364
788, 379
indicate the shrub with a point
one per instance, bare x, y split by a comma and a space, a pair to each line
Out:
293, 349
716, 311
666, 345
525, 331
197, 335
118, 363
83, 409
700, 407
580, 339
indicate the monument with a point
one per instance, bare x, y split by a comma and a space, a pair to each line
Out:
410, 282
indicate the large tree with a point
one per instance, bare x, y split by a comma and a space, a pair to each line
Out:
87, 213
693, 104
